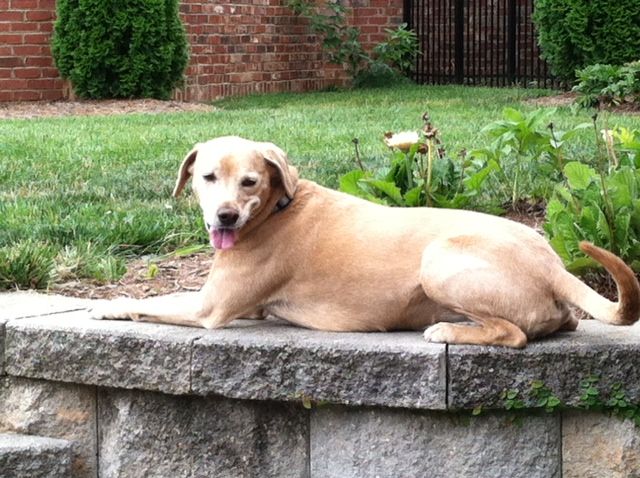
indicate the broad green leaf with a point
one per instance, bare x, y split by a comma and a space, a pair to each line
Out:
564, 194
474, 182
553, 402
459, 201
554, 207
397, 165
621, 223
589, 220
562, 235
388, 188
579, 175
482, 154
540, 117
603, 231
349, 183
622, 187
412, 197
511, 114
581, 265
559, 245
570, 134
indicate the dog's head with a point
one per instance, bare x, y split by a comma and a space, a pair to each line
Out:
234, 180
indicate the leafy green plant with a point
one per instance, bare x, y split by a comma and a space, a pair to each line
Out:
544, 397
628, 143
538, 396
512, 400
120, 49
389, 59
527, 149
615, 401
339, 39
590, 394
576, 33
420, 174
599, 204
399, 50
621, 406
606, 85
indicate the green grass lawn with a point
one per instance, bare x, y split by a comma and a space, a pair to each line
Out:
80, 195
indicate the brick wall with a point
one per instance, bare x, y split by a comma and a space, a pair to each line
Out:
237, 48
27, 71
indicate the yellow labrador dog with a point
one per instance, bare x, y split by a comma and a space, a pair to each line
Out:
329, 261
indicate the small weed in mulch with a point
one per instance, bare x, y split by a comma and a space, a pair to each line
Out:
147, 277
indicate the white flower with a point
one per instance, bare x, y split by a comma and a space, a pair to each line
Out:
402, 141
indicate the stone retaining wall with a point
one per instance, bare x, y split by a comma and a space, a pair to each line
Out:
241, 47
269, 400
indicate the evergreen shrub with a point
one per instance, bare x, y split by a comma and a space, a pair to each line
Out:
574, 34
120, 48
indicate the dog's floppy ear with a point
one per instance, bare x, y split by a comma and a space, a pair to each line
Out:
186, 170
288, 174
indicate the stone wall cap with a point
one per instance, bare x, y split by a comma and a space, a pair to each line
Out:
73, 348
21, 304
264, 360
272, 360
478, 376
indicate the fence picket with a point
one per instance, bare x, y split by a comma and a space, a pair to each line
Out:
478, 42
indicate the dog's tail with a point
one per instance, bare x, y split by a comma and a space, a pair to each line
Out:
624, 312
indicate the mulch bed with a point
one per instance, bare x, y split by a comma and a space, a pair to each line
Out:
146, 278
39, 109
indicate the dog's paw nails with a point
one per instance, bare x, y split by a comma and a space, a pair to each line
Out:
94, 314
111, 309
98, 312
438, 333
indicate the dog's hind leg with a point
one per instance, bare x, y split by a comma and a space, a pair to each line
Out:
490, 287
482, 332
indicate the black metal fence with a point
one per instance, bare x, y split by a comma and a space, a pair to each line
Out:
477, 42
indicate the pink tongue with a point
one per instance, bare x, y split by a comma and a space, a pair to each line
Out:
223, 238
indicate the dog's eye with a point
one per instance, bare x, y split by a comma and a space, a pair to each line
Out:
248, 182
210, 177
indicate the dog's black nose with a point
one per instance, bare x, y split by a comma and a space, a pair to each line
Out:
228, 216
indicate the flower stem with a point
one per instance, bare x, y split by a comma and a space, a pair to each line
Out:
427, 183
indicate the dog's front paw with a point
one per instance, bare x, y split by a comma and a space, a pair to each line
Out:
440, 333
113, 309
